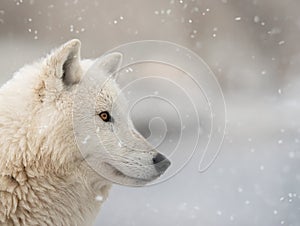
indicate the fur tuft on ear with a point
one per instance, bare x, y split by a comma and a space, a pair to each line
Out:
66, 61
110, 63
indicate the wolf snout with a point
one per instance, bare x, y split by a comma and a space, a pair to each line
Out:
161, 163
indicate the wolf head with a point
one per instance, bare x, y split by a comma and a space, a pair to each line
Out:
81, 117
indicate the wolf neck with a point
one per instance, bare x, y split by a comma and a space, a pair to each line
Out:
51, 199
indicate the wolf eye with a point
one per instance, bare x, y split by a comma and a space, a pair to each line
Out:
105, 116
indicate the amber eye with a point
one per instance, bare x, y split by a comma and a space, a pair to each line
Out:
105, 116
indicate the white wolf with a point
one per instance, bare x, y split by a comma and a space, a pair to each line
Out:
44, 177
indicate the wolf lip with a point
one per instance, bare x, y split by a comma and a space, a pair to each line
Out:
121, 174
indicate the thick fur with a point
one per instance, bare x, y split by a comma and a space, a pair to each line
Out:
45, 179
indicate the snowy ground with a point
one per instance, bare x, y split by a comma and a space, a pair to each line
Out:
252, 47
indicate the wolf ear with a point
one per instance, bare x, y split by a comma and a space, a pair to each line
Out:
110, 63
66, 62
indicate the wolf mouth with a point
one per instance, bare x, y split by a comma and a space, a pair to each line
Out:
121, 174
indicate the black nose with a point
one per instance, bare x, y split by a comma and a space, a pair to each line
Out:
161, 163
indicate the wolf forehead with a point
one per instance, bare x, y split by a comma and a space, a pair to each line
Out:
110, 96
100, 88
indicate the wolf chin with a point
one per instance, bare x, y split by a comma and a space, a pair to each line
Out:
46, 178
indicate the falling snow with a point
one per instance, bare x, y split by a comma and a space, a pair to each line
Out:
256, 19
86, 139
252, 48
99, 198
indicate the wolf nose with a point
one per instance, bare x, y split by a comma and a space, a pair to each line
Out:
161, 163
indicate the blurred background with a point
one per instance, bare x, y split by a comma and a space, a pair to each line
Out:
252, 48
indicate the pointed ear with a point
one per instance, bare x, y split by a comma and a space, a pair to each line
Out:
110, 63
66, 62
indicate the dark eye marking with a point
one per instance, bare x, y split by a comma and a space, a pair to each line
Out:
105, 116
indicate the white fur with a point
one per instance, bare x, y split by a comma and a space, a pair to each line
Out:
45, 178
